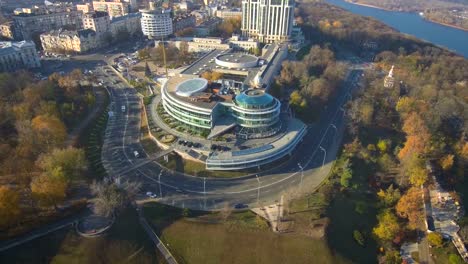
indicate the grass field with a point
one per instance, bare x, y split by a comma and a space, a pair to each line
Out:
447, 254
179, 164
126, 242
242, 238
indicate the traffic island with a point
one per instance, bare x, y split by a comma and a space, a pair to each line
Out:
94, 226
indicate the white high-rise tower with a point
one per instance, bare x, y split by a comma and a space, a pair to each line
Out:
267, 21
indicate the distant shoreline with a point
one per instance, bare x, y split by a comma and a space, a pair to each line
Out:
444, 24
371, 6
390, 10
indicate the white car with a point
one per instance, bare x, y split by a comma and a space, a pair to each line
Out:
151, 195
136, 154
123, 108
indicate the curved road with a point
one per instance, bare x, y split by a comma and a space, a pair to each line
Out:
315, 154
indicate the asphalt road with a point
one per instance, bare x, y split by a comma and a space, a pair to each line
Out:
319, 147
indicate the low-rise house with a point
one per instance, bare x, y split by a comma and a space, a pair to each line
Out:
70, 40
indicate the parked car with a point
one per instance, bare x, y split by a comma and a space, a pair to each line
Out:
240, 206
136, 154
123, 108
151, 195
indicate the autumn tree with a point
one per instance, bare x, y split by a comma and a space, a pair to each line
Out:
212, 76
410, 207
415, 168
49, 188
446, 162
50, 130
297, 102
392, 257
71, 161
389, 197
417, 136
9, 207
387, 227
435, 239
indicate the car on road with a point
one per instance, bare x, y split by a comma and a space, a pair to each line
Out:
123, 108
136, 154
240, 206
151, 195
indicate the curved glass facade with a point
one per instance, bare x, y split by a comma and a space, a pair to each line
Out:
185, 113
256, 109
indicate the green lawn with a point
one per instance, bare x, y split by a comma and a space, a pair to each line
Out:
197, 168
242, 238
126, 242
442, 255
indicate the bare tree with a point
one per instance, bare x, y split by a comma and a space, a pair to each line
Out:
111, 197
226, 211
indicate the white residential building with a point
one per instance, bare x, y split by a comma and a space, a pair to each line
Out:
267, 21
156, 23
18, 55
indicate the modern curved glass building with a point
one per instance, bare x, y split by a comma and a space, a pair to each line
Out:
238, 103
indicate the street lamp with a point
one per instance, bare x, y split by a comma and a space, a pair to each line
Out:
324, 156
159, 181
204, 185
258, 189
302, 173
336, 130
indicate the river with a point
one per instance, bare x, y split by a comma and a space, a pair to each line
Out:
413, 24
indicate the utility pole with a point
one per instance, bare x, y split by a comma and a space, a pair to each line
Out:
258, 190
302, 173
159, 181
204, 185
335, 136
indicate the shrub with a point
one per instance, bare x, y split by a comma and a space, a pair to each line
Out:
435, 239
357, 235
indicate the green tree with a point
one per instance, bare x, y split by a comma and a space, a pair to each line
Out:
455, 259
357, 235
346, 173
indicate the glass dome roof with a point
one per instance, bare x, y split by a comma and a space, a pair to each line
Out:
254, 98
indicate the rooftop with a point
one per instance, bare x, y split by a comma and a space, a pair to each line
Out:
254, 97
237, 57
196, 97
7, 47
189, 87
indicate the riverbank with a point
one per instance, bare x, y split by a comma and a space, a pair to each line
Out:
392, 10
444, 24
368, 5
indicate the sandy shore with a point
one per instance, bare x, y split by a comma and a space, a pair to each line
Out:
371, 6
